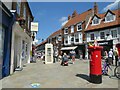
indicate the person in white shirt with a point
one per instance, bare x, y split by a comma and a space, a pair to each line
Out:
110, 55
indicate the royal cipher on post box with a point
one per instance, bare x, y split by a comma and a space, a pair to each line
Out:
95, 64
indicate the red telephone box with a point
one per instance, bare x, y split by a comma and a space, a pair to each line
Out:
95, 64
118, 47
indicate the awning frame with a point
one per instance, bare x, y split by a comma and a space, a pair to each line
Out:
69, 48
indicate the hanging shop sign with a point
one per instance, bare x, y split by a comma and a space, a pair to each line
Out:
34, 26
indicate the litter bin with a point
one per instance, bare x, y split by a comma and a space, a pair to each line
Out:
95, 64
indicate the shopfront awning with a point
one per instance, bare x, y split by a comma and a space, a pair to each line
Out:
68, 48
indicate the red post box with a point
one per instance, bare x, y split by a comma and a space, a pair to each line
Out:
118, 47
95, 64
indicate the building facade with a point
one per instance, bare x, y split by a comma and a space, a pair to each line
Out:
105, 28
21, 36
6, 22
56, 39
15, 36
73, 31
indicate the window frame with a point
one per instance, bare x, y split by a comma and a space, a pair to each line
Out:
111, 20
76, 35
65, 39
101, 34
113, 32
72, 29
80, 25
91, 37
18, 6
65, 31
96, 18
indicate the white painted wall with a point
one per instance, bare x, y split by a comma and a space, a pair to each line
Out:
18, 35
97, 34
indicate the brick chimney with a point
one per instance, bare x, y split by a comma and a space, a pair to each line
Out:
74, 14
95, 8
69, 17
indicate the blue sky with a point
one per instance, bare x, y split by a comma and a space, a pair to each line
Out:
51, 15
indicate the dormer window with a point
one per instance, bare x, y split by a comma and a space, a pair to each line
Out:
79, 27
109, 17
66, 31
95, 21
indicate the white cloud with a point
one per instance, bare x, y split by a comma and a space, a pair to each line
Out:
112, 6
63, 20
63, 23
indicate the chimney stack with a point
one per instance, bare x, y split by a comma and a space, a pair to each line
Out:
69, 17
95, 8
74, 14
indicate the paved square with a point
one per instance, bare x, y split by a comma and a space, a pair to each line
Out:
56, 76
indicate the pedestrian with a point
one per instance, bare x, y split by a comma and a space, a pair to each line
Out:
105, 55
73, 56
64, 60
110, 57
116, 56
80, 55
56, 56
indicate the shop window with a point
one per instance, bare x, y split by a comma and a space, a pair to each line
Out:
23, 49
24, 12
28, 22
18, 6
92, 36
102, 35
114, 33
26, 49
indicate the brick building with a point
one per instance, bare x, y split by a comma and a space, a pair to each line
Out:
105, 28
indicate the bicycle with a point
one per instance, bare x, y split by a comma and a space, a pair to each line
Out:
105, 67
117, 70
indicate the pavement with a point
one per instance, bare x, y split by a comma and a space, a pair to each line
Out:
56, 76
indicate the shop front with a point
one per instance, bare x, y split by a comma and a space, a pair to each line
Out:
6, 22
107, 45
80, 51
20, 48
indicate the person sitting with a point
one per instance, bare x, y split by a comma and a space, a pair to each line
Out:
65, 60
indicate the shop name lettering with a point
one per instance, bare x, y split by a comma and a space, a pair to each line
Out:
103, 43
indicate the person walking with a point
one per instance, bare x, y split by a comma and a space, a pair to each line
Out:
73, 56
105, 55
110, 57
80, 55
116, 56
